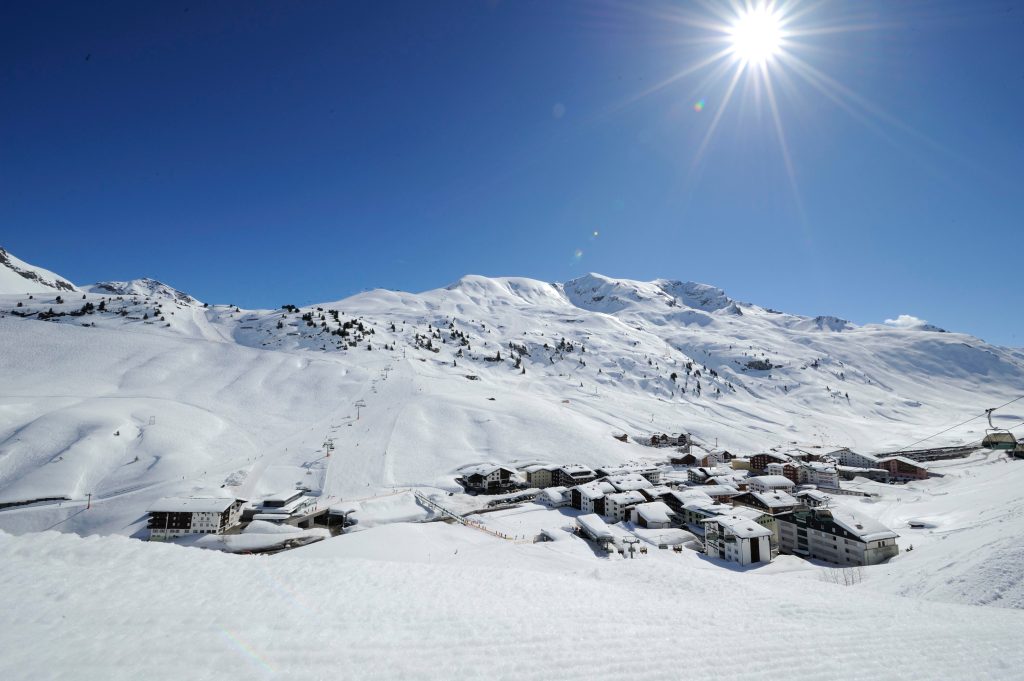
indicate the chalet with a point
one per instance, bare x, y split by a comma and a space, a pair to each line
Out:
686, 459
700, 458
901, 468
489, 478
774, 503
655, 515
554, 497
768, 483
836, 536
759, 462
737, 539
178, 516
571, 475
618, 505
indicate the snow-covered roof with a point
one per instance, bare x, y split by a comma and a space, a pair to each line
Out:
627, 468
594, 526
819, 466
192, 505
744, 528
575, 470
691, 494
719, 490
782, 458
623, 498
485, 469
868, 529
282, 498
657, 490
593, 490
629, 481
903, 459
553, 494
654, 512
817, 495
746, 512
771, 481
706, 507
775, 499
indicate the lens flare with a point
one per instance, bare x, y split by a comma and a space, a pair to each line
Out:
699, 105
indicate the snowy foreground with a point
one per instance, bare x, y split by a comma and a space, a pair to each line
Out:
115, 608
430, 600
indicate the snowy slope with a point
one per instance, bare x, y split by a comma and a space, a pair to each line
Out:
515, 369
474, 608
17, 276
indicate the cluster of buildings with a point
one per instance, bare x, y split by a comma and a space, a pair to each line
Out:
743, 510
175, 517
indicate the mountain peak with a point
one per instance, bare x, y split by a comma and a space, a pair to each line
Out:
140, 287
601, 293
17, 276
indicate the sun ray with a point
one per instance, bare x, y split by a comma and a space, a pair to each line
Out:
740, 68
783, 144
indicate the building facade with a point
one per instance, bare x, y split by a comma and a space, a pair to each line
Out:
836, 536
176, 517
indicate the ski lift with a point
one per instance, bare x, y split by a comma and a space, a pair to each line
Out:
997, 438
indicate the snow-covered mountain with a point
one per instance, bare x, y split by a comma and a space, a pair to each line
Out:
18, 276
502, 369
125, 392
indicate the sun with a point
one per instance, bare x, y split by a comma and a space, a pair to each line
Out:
755, 37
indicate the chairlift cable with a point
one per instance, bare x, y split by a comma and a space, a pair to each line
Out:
984, 413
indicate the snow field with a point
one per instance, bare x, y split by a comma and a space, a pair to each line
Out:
169, 612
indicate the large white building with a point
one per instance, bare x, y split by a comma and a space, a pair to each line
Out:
738, 539
848, 457
837, 536
178, 516
618, 505
819, 474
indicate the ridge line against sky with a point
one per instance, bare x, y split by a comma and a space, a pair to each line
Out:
277, 153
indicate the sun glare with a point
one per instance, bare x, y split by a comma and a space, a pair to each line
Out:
756, 35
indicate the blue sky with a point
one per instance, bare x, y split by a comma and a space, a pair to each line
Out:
270, 153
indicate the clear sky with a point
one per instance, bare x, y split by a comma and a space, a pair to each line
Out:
293, 152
